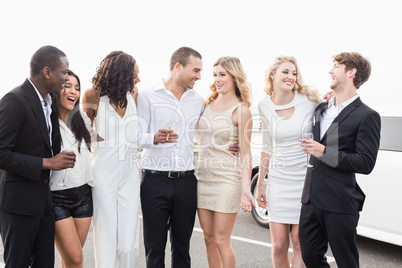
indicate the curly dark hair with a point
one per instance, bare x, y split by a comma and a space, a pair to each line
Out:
115, 77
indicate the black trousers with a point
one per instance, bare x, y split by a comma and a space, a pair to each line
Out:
318, 227
28, 240
168, 204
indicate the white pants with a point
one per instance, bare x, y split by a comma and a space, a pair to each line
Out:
116, 220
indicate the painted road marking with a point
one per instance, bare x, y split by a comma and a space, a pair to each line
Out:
259, 243
242, 239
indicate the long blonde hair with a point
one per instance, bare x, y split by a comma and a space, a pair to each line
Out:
312, 94
242, 88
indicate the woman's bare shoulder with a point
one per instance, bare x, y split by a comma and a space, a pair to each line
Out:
90, 96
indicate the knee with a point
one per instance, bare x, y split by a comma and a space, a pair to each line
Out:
127, 256
296, 245
222, 243
280, 248
78, 264
310, 257
124, 252
75, 261
209, 240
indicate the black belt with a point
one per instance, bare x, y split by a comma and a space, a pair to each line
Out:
169, 174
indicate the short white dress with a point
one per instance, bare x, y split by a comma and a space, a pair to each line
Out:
287, 166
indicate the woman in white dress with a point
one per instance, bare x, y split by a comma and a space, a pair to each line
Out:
71, 188
111, 106
286, 113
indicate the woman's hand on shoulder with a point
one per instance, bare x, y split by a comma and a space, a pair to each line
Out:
329, 95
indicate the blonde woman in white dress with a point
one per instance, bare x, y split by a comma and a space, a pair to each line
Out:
286, 113
224, 179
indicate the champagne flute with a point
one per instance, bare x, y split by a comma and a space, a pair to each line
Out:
308, 136
62, 183
175, 125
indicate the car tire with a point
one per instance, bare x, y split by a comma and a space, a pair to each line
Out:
259, 214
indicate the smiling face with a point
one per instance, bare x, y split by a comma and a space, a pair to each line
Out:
223, 80
58, 77
136, 72
338, 76
285, 77
188, 75
69, 95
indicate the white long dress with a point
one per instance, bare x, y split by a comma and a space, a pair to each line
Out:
287, 166
116, 194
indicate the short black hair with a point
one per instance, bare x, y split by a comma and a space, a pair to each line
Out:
45, 56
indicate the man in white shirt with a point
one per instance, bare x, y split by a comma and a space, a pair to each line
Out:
168, 114
346, 142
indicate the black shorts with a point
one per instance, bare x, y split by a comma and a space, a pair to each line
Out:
74, 202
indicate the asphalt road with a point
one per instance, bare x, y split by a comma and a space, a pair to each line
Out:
251, 244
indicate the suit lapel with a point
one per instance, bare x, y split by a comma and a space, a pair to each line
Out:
316, 120
56, 137
342, 115
37, 110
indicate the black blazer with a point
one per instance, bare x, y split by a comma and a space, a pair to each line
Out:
352, 143
24, 142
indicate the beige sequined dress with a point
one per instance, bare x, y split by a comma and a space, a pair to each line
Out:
218, 171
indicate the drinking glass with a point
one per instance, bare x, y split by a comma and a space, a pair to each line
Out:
308, 136
63, 183
175, 125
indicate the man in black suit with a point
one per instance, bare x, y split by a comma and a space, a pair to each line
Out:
346, 142
29, 150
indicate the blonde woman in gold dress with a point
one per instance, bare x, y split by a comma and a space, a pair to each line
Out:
224, 179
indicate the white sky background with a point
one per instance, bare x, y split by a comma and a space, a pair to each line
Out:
254, 31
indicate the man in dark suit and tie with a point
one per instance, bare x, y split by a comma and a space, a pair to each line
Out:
29, 150
346, 142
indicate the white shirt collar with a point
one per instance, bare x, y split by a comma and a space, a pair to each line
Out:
332, 112
331, 102
341, 106
161, 86
349, 101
